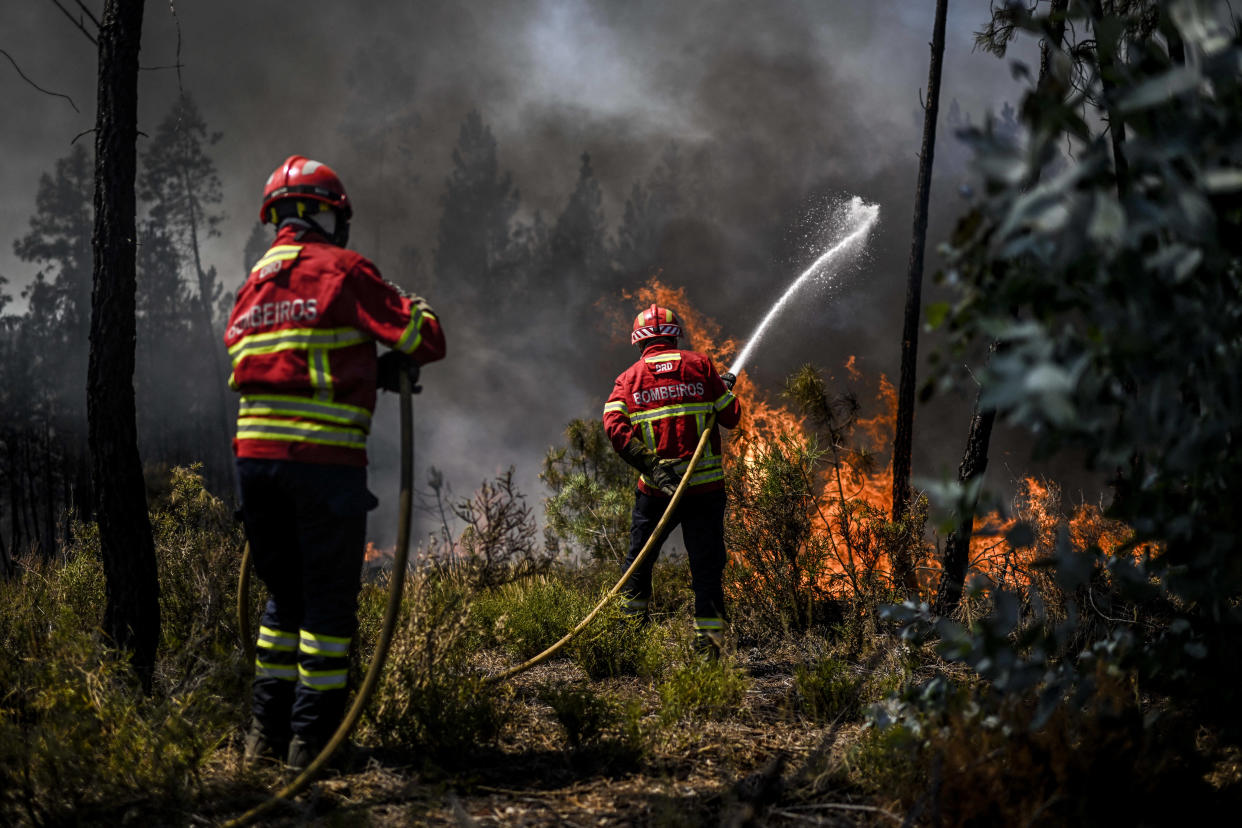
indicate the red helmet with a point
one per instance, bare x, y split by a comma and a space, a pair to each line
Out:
300, 177
655, 321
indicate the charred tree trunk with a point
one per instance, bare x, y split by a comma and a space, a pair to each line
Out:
132, 613
903, 566
975, 458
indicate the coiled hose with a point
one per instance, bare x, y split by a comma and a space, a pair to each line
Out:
369, 683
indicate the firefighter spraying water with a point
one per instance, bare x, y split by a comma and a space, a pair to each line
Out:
852, 228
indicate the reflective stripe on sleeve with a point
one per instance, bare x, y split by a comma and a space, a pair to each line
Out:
270, 639
725, 401
325, 645
279, 253
254, 405
412, 336
322, 679
284, 672
618, 406
258, 428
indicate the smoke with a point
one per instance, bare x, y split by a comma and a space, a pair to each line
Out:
771, 107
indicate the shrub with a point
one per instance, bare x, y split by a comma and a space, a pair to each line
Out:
526, 617
828, 689
78, 739
615, 644
592, 494
430, 701
701, 689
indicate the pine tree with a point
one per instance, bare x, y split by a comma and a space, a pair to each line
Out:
475, 246
180, 183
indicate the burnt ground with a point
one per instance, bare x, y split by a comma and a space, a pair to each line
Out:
763, 764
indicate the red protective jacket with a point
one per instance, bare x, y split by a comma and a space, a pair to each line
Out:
664, 399
302, 340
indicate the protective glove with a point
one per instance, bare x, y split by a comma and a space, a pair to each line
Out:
666, 477
389, 368
729, 378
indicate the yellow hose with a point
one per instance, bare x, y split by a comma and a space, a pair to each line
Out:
651, 542
391, 614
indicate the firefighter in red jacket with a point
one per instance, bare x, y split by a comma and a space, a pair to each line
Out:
654, 418
302, 338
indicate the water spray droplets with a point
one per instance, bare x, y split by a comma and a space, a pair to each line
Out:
845, 233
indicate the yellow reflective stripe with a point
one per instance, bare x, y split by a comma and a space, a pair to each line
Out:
670, 411
412, 336
273, 341
725, 401
258, 428
709, 623
279, 253
286, 672
270, 639
291, 406
617, 406
320, 375
328, 645
322, 679
662, 358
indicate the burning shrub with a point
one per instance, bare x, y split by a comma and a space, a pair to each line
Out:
778, 573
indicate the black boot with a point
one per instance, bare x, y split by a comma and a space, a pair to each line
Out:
262, 745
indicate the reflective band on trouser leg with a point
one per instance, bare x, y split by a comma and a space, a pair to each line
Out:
636, 606
324, 661
276, 655
709, 626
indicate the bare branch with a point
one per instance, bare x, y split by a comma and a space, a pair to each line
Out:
35, 85
89, 13
77, 21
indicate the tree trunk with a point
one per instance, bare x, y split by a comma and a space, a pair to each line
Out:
1106, 58
132, 612
903, 566
975, 458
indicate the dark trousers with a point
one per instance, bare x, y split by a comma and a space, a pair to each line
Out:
306, 524
701, 517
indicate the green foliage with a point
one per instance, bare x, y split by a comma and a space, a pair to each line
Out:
78, 739
526, 617
1112, 282
886, 760
828, 689
701, 689
616, 644
583, 713
592, 493
430, 702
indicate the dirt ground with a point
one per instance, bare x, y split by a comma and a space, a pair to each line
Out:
763, 765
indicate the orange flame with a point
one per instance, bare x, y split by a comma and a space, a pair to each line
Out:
764, 422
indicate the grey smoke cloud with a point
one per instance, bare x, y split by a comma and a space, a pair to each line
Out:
773, 106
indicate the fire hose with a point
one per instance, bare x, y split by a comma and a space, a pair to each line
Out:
625, 576
397, 586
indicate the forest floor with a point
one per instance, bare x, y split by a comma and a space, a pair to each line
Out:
762, 764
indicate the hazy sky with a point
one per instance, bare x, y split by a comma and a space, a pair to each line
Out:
778, 104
